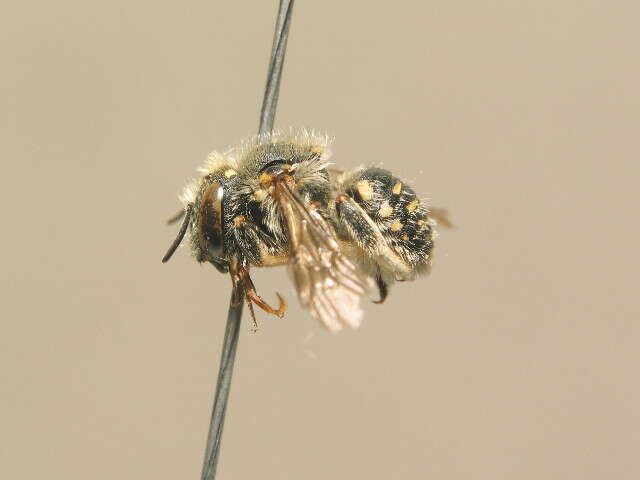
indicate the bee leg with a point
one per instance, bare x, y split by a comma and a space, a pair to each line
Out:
252, 297
254, 327
255, 298
359, 226
239, 274
236, 279
383, 288
367, 235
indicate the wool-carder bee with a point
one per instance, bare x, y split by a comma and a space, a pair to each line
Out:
275, 200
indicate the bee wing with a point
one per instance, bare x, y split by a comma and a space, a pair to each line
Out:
329, 285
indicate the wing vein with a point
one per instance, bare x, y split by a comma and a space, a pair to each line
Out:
328, 284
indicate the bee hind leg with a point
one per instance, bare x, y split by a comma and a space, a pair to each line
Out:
364, 232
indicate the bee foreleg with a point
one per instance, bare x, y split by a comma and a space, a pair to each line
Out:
237, 291
254, 329
252, 296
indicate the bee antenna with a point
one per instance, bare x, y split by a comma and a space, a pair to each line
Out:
183, 230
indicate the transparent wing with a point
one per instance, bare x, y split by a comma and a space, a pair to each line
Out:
329, 285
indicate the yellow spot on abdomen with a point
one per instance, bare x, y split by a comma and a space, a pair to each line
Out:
365, 190
230, 172
239, 220
413, 205
385, 210
395, 226
397, 188
404, 237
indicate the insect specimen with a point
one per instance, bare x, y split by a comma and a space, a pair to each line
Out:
277, 200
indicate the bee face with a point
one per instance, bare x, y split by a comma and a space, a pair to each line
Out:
273, 201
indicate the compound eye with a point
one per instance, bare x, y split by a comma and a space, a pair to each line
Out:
211, 228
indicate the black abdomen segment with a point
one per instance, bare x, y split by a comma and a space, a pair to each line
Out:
395, 209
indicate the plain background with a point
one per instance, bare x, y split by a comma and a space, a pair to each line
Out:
516, 359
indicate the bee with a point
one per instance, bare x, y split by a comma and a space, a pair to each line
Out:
277, 200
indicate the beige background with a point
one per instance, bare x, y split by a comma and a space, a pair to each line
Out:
516, 359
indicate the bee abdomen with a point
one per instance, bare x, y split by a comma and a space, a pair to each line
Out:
394, 208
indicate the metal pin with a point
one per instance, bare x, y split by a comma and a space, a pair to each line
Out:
234, 317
